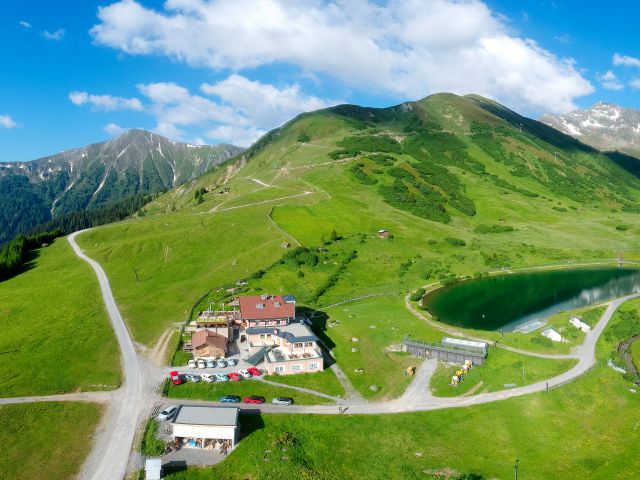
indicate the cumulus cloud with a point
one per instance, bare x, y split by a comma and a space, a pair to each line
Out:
105, 102
236, 110
7, 122
635, 83
24, 24
114, 129
626, 61
609, 81
55, 36
405, 49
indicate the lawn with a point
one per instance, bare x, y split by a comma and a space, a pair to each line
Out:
586, 429
243, 388
500, 369
46, 440
325, 382
56, 336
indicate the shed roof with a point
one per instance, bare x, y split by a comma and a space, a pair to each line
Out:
263, 307
219, 416
207, 337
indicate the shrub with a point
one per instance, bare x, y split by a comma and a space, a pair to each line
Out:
417, 295
304, 137
482, 229
456, 242
150, 445
623, 227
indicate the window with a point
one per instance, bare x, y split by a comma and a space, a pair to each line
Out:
308, 344
261, 323
268, 335
313, 366
297, 368
297, 345
262, 336
279, 369
283, 322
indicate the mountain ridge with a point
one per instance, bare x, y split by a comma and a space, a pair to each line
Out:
137, 161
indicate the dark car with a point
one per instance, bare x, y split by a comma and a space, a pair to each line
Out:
282, 401
253, 399
229, 399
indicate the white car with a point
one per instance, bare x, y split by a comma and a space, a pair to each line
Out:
191, 363
192, 378
245, 374
222, 364
232, 362
221, 377
208, 377
211, 363
202, 364
167, 413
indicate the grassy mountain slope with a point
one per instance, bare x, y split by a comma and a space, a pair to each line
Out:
445, 169
98, 174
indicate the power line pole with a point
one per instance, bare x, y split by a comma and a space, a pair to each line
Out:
515, 470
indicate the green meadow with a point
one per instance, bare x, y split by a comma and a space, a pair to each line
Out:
56, 336
46, 440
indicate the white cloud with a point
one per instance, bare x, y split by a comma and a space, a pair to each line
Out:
626, 61
24, 24
114, 129
609, 81
635, 83
7, 122
55, 36
105, 102
405, 49
242, 111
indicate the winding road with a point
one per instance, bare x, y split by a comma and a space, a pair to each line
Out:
126, 408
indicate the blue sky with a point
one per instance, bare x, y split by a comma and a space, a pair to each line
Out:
204, 71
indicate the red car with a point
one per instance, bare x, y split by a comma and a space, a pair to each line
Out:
234, 376
253, 399
175, 378
254, 371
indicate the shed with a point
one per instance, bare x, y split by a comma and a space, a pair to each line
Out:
552, 335
153, 469
578, 323
203, 426
470, 345
207, 344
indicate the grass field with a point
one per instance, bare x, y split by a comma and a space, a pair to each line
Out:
56, 337
586, 429
324, 382
46, 440
213, 391
501, 368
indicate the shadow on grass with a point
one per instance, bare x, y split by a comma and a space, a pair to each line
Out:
28, 264
174, 466
250, 421
318, 320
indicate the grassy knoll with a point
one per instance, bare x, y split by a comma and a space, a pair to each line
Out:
635, 354
586, 429
501, 368
213, 391
45, 440
56, 337
325, 382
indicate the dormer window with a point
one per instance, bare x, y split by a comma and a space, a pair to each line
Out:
277, 304
260, 306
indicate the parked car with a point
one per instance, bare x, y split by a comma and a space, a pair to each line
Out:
175, 378
234, 376
254, 371
167, 413
282, 401
192, 378
229, 399
253, 399
222, 364
202, 363
245, 373
221, 377
211, 363
232, 362
208, 377
192, 363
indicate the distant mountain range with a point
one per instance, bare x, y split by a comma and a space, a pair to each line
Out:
604, 126
137, 161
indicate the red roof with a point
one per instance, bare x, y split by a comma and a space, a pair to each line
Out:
207, 337
266, 307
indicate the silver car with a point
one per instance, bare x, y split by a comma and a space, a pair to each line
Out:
167, 413
282, 401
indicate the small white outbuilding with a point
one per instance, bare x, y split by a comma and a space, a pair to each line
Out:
153, 469
579, 324
552, 335
203, 425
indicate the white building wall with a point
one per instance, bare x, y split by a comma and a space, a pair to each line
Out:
206, 431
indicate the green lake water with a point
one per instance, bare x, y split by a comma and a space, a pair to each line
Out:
504, 302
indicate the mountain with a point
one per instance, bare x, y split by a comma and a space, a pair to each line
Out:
137, 161
604, 126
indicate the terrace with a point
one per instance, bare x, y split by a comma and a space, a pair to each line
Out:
281, 355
